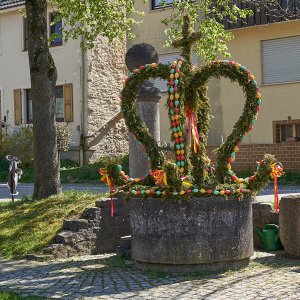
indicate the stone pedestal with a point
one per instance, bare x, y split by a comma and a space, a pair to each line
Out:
289, 224
201, 234
147, 106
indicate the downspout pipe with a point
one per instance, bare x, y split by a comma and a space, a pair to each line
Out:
82, 125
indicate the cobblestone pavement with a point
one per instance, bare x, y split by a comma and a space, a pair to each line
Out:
268, 276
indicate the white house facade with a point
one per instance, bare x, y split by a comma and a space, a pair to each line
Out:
87, 89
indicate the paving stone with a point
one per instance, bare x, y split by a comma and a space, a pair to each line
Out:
269, 276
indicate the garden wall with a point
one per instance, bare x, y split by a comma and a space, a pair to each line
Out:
287, 153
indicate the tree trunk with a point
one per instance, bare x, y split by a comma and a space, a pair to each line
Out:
43, 79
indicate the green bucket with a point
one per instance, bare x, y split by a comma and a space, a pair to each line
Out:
270, 237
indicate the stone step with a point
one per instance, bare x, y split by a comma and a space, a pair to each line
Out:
125, 242
92, 213
124, 253
75, 224
69, 237
103, 202
124, 248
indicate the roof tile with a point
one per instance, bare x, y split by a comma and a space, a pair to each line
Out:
4, 4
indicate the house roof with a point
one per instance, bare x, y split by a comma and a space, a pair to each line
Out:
4, 4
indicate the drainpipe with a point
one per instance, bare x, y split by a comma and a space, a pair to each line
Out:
82, 135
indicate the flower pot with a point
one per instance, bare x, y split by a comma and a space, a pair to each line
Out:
200, 234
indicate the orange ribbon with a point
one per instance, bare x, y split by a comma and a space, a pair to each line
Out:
106, 178
277, 171
159, 177
192, 128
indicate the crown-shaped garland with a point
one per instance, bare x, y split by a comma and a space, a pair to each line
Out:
191, 173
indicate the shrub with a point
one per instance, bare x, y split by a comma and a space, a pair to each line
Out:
64, 136
20, 144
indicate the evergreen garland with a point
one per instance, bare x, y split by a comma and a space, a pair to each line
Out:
192, 174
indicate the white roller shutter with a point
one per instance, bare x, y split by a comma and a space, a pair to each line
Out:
281, 60
169, 58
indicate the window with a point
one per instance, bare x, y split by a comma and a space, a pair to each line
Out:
28, 103
55, 29
160, 3
25, 35
286, 131
59, 104
280, 60
63, 104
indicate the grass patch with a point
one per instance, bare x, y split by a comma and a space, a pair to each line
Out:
15, 296
70, 172
27, 226
290, 178
89, 172
114, 261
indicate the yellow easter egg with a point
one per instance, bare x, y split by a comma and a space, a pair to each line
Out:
153, 65
163, 192
202, 191
148, 192
136, 179
182, 193
181, 170
176, 75
181, 151
180, 133
171, 76
178, 152
238, 65
236, 149
171, 97
176, 134
176, 96
222, 192
173, 118
229, 166
177, 117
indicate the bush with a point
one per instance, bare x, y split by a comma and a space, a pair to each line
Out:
20, 144
64, 136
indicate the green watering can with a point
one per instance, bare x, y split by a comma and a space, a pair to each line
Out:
270, 237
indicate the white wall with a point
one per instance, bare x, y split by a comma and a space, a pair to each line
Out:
14, 67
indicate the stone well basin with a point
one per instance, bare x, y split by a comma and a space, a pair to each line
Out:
200, 234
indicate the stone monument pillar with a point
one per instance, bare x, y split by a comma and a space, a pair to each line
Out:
147, 106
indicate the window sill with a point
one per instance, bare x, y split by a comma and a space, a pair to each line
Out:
56, 47
155, 9
279, 83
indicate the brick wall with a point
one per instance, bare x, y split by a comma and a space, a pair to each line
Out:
287, 153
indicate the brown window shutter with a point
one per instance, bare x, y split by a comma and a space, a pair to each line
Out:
18, 107
68, 102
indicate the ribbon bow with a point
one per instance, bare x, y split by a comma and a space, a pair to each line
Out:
106, 178
192, 128
276, 171
160, 177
